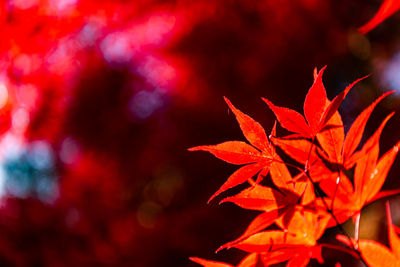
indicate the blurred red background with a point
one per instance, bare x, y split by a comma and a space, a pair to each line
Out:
101, 99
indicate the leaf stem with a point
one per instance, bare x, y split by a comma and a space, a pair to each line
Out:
357, 228
344, 249
328, 209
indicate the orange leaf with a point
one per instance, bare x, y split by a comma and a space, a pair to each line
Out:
394, 240
238, 177
235, 152
307, 225
268, 240
356, 130
208, 263
309, 193
300, 260
302, 150
315, 103
263, 198
384, 194
290, 120
280, 174
377, 178
280, 255
365, 167
377, 255
318, 110
343, 192
297, 149
258, 224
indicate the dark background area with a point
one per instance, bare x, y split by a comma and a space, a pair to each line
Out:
100, 101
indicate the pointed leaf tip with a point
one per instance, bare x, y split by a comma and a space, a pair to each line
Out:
238, 177
234, 152
252, 130
258, 224
376, 254
315, 103
379, 173
290, 119
356, 130
337, 101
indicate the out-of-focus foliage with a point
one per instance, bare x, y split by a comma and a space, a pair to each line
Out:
100, 100
388, 8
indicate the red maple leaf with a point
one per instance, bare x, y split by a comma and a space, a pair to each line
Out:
290, 202
318, 110
332, 179
296, 242
255, 157
374, 253
335, 147
369, 176
275, 203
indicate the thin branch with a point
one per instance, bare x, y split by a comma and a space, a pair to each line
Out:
340, 248
328, 209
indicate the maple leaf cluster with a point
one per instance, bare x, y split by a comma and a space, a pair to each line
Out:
320, 195
105, 89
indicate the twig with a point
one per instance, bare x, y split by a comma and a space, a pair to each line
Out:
328, 209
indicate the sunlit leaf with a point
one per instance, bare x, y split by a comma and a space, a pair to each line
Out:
290, 120
238, 177
300, 260
315, 103
356, 130
263, 198
298, 149
331, 138
365, 168
280, 174
394, 239
268, 240
208, 263
377, 255
235, 152
250, 260
251, 129
258, 224
378, 176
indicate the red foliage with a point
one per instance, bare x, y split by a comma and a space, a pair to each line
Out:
99, 99
320, 196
